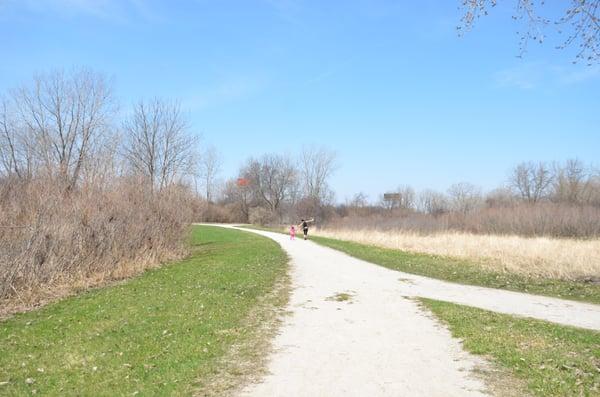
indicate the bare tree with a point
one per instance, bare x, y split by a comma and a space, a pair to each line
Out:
272, 179
571, 182
359, 200
433, 203
159, 145
15, 153
581, 18
209, 167
238, 194
531, 181
407, 197
465, 197
66, 115
316, 167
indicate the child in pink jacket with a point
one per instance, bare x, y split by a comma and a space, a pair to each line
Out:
292, 232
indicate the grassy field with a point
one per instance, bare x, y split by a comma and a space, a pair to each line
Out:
459, 270
167, 332
552, 360
463, 271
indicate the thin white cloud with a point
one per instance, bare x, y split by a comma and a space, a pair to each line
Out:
581, 75
113, 10
146, 10
539, 74
329, 71
289, 10
222, 93
524, 76
284, 5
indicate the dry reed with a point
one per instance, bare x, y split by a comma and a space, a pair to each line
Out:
568, 259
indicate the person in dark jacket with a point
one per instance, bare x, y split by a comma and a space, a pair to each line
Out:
304, 226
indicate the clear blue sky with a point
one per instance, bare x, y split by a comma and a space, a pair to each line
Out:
388, 84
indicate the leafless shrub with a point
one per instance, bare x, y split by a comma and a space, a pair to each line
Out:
433, 203
465, 197
49, 238
223, 214
500, 197
261, 216
371, 218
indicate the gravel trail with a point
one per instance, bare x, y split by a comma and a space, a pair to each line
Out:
355, 329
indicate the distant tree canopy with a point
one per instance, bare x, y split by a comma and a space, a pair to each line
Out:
580, 23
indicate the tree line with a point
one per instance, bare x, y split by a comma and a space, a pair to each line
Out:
537, 199
66, 126
571, 183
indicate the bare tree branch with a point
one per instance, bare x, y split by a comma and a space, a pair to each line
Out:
581, 21
209, 167
316, 167
273, 179
531, 181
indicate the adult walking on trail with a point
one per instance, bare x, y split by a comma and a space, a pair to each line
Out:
304, 225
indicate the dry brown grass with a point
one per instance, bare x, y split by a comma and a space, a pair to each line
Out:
534, 256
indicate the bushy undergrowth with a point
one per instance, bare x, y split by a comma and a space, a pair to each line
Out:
540, 219
52, 238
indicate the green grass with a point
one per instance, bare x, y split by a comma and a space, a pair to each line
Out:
163, 333
462, 271
552, 360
